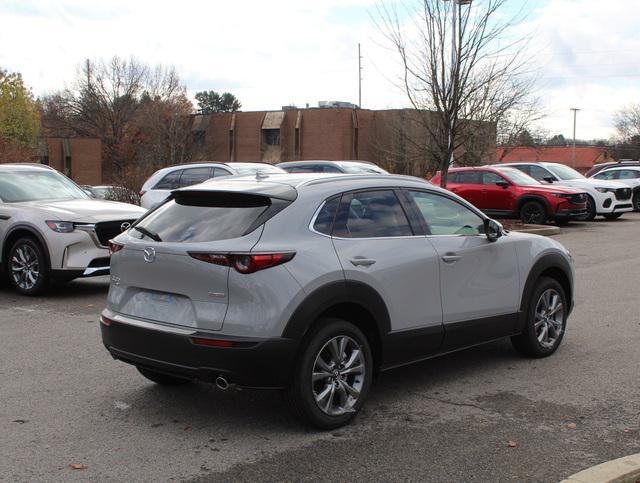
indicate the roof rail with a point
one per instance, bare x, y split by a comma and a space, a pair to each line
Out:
341, 177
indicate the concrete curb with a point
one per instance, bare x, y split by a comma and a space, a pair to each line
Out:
543, 230
622, 470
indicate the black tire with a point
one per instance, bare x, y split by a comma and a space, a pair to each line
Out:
300, 393
162, 379
612, 216
528, 343
533, 213
636, 201
35, 261
591, 209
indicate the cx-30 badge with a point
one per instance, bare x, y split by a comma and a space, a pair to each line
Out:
125, 226
149, 254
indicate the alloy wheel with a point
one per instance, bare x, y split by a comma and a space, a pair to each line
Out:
549, 318
338, 376
532, 215
25, 267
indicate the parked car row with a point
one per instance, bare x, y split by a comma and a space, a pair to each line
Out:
540, 192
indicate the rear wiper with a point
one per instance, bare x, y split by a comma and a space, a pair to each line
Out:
150, 234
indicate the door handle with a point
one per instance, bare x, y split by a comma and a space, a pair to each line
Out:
362, 262
451, 258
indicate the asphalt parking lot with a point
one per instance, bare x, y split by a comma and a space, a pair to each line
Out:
485, 414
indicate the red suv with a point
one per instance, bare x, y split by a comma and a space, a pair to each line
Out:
509, 193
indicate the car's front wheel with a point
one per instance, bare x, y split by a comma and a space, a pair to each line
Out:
591, 209
636, 201
546, 320
27, 267
533, 213
333, 375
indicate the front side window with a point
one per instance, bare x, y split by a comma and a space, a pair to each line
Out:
539, 173
218, 172
606, 175
193, 176
19, 186
489, 178
444, 216
371, 214
171, 181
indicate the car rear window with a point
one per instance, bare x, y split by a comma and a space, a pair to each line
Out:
205, 216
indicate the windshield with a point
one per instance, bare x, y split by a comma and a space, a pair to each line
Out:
359, 168
518, 177
564, 172
255, 168
19, 186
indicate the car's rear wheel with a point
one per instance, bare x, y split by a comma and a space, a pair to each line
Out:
27, 267
591, 209
546, 320
533, 213
612, 216
162, 379
333, 375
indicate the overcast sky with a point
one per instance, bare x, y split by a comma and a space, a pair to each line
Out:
282, 52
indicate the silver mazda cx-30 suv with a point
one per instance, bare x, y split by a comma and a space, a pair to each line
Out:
313, 283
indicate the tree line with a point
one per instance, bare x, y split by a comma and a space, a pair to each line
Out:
139, 112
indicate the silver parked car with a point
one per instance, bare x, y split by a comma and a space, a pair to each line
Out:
312, 283
50, 229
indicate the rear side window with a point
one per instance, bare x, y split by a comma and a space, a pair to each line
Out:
193, 176
628, 174
371, 214
469, 177
204, 216
171, 181
324, 220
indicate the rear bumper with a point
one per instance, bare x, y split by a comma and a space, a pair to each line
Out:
257, 363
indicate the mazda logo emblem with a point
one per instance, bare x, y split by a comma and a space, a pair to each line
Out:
125, 226
149, 254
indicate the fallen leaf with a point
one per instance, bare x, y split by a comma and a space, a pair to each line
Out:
77, 466
89, 306
627, 430
512, 444
572, 425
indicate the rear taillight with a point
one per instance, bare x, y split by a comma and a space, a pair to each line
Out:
142, 192
244, 262
114, 247
105, 321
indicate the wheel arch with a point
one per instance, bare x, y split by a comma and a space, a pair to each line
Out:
350, 300
551, 265
540, 199
21, 231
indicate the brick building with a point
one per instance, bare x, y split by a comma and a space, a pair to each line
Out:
78, 158
314, 133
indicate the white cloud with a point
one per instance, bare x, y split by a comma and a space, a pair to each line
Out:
273, 53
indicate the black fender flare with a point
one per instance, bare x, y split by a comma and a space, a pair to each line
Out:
33, 231
550, 261
540, 199
332, 294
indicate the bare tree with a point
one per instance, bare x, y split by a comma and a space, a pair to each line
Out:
518, 128
458, 63
627, 122
139, 113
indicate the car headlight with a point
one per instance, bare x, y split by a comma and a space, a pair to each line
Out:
61, 226
606, 190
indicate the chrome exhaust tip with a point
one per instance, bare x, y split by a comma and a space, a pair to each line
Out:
222, 383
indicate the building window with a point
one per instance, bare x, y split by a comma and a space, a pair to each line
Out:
271, 137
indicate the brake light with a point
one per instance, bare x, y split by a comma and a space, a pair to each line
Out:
142, 192
212, 343
244, 262
114, 247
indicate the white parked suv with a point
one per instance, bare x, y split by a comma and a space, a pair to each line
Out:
313, 283
607, 198
50, 229
161, 183
629, 175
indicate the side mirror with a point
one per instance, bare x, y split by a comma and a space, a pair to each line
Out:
502, 184
549, 179
492, 229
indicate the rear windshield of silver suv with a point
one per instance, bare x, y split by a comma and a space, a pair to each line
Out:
205, 216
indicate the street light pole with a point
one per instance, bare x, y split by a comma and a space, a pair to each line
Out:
573, 154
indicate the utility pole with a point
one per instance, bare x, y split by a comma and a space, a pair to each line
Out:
359, 78
573, 155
